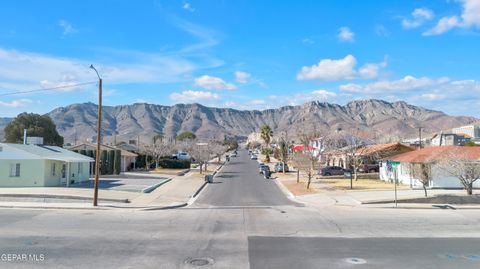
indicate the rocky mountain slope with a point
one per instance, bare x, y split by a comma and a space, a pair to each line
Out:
120, 123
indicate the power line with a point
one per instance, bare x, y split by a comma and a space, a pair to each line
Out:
49, 89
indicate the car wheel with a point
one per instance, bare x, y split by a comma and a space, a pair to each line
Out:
372, 171
328, 174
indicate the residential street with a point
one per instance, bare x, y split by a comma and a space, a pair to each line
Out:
242, 221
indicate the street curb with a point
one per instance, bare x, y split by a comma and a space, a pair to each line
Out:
287, 193
164, 207
154, 187
66, 197
425, 206
195, 195
52, 207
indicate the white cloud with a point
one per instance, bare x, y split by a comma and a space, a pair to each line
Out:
213, 83
419, 17
308, 41
433, 96
193, 96
242, 77
405, 84
345, 35
470, 17
188, 6
16, 103
18, 69
444, 24
67, 27
371, 70
328, 69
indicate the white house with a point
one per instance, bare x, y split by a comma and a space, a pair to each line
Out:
430, 156
41, 166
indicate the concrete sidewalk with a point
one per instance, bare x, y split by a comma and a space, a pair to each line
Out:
177, 192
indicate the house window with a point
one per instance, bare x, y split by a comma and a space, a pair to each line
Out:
54, 168
14, 170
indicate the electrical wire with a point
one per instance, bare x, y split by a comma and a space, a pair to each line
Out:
49, 89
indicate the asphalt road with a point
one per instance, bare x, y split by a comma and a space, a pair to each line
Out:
238, 225
240, 184
332, 253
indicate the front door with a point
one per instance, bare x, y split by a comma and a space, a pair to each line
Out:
64, 174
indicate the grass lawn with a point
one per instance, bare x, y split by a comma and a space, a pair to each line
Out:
168, 170
360, 184
289, 180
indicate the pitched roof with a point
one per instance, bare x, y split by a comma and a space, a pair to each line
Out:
39, 152
371, 149
431, 154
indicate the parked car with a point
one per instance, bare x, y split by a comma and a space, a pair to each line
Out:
265, 170
262, 167
253, 157
279, 167
181, 156
332, 171
369, 168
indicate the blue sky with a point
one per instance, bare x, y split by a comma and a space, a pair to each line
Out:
241, 54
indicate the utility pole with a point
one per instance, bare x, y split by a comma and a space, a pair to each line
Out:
99, 130
420, 137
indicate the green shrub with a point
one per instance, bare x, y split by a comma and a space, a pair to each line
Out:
110, 161
117, 162
175, 164
103, 162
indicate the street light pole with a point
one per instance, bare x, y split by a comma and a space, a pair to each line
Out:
99, 130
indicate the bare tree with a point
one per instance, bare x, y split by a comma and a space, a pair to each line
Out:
306, 163
306, 160
217, 149
457, 163
423, 173
201, 153
160, 147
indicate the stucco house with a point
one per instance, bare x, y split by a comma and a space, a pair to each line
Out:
28, 165
430, 157
127, 158
370, 153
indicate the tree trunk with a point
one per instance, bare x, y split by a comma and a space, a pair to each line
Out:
469, 188
298, 175
201, 168
425, 189
267, 158
283, 167
206, 166
309, 180
156, 164
355, 174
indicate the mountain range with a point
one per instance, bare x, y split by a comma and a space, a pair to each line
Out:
77, 122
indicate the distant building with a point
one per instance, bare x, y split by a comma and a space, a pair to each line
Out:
41, 166
449, 139
472, 131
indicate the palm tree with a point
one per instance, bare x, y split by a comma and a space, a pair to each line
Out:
266, 134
